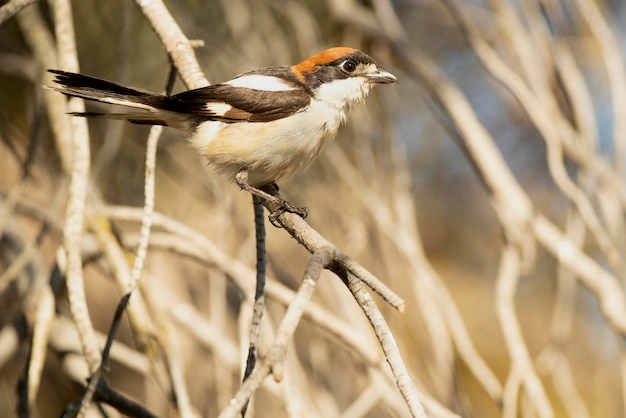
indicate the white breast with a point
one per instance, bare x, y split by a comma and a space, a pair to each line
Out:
269, 150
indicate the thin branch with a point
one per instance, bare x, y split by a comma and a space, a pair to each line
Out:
511, 390
204, 331
192, 244
506, 284
178, 47
431, 295
167, 344
148, 207
388, 343
614, 64
586, 270
79, 178
12, 8
312, 241
541, 116
343, 333
553, 360
511, 203
142, 249
135, 273
17, 265
259, 292
39, 346
273, 362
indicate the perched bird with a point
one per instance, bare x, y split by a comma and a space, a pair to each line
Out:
259, 127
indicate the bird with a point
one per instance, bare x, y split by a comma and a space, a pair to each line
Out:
259, 127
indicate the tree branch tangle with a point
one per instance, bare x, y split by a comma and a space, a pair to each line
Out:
464, 254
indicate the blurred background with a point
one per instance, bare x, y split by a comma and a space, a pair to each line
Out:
397, 190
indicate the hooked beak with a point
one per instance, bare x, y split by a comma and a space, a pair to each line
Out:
381, 77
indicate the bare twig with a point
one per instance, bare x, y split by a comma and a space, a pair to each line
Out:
41, 333
201, 250
273, 362
178, 47
614, 64
79, 177
554, 361
431, 294
259, 292
601, 282
508, 275
148, 207
388, 343
12, 8
176, 370
135, 273
313, 241
540, 114
41, 42
194, 305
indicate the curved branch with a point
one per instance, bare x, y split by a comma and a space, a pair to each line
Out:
12, 8
177, 45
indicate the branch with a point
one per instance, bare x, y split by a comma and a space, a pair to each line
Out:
12, 8
273, 361
259, 292
521, 361
310, 239
388, 343
186, 242
178, 47
79, 178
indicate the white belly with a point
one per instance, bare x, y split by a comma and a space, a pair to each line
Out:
269, 150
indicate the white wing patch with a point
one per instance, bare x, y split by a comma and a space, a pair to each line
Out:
218, 109
260, 82
122, 102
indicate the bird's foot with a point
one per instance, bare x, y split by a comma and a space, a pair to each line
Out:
269, 192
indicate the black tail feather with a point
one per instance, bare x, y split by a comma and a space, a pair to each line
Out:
97, 89
94, 84
137, 118
152, 108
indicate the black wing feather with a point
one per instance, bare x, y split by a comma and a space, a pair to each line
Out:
246, 104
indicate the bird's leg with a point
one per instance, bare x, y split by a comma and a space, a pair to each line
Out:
270, 193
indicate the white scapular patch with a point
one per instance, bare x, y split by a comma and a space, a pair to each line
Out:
127, 103
260, 82
218, 108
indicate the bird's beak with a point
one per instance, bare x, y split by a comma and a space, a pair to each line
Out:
381, 77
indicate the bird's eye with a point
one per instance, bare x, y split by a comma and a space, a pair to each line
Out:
349, 66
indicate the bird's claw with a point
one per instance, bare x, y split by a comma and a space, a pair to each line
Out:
285, 206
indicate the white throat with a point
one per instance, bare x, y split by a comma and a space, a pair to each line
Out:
340, 93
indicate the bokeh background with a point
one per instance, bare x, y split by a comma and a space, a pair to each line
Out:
397, 190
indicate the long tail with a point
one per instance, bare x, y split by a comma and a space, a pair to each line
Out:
152, 106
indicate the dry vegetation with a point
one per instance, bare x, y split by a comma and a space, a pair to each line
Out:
486, 189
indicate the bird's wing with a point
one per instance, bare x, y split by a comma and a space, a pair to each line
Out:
257, 96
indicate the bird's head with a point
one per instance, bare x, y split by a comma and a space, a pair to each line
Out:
340, 76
